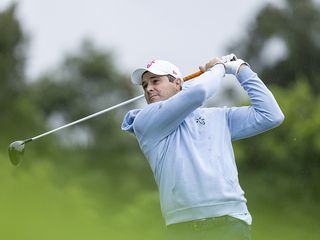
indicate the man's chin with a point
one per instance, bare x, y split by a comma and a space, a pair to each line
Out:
154, 99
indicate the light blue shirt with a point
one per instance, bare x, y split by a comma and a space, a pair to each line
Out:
189, 148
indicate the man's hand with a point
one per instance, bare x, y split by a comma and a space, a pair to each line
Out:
210, 64
223, 60
228, 58
233, 67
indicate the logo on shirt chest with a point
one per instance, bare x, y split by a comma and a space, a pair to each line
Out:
200, 120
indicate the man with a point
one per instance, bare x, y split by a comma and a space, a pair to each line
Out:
189, 148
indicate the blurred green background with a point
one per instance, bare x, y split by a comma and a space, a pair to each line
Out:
92, 182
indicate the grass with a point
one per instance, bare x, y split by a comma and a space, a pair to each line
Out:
33, 206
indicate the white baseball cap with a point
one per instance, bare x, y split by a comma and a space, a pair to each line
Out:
158, 67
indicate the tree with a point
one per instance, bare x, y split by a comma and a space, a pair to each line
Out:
283, 43
18, 116
88, 81
288, 157
12, 54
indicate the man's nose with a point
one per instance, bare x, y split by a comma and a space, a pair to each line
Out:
150, 88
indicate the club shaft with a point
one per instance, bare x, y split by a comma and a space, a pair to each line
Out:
191, 76
86, 118
186, 78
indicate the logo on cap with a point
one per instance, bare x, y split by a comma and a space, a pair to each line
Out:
150, 64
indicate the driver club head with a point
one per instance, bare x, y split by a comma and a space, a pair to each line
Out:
16, 151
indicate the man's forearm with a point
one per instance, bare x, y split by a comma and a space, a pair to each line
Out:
264, 112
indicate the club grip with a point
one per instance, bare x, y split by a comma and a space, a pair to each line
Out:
191, 76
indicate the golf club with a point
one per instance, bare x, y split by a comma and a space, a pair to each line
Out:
17, 148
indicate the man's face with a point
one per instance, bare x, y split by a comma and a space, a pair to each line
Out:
158, 88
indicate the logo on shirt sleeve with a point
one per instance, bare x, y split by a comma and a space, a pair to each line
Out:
201, 120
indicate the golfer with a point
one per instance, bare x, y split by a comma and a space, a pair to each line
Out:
189, 147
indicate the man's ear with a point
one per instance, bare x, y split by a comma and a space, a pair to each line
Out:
178, 82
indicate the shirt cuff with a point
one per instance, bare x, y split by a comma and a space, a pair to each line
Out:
245, 73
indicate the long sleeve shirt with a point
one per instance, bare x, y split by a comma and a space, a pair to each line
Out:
189, 148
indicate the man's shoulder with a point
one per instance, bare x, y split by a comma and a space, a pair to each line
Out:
148, 109
132, 113
128, 120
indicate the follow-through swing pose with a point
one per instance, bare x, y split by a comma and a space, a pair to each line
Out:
189, 147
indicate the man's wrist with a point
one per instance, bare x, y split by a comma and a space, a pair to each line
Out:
218, 66
242, 66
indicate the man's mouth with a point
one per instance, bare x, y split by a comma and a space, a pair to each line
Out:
152, 97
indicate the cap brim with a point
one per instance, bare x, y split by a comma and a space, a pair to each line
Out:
136, 77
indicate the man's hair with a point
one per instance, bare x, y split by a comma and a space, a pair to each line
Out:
171, 78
